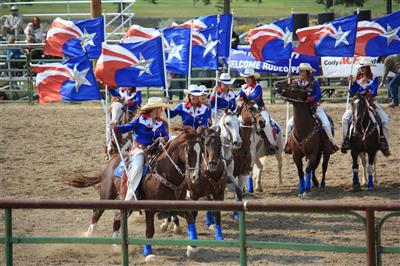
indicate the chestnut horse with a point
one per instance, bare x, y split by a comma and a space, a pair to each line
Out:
306, 139
364, 138
167, 180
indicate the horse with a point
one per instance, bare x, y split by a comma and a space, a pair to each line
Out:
167, 179
306, 139
364, 138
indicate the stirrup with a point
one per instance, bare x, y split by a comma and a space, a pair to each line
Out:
345, 145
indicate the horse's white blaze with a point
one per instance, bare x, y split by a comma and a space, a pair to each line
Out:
356, 101
196, 147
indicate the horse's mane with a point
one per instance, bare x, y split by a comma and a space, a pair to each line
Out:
185, 133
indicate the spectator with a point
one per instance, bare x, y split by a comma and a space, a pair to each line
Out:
392, 64
13, 24
34, 31
12, 53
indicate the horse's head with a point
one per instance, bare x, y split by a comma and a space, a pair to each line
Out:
212, 147
251, 116
189, 152
229, 126
359, 106
293, 93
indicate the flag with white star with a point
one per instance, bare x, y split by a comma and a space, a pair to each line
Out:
177, 48
205, 48
75, 38
132, 64
272, 41
335, 38
69, 81
379, 37
225, 35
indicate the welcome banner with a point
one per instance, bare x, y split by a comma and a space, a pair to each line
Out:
340, 67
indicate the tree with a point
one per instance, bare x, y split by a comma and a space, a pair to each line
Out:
330, 3
224, 5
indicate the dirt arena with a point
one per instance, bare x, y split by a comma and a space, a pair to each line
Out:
42, 145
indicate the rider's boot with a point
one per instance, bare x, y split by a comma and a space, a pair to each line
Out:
345, 145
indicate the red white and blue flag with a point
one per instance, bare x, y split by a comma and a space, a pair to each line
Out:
132, 64
75, 38
272, 41
69, 81
336, 38
177, 47
379, 37
138, 33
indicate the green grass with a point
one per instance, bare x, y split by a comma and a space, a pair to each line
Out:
186, 8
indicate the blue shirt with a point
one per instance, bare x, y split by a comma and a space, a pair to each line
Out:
370, 85
132, 101
253, 93
189, 117
145, 131
224, 100
315, 91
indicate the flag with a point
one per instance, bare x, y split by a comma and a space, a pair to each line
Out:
225, 35
177, 48
204, 48
379, 36
336, 38
75, 38
138, 33
69, 81
272, 41
132, 64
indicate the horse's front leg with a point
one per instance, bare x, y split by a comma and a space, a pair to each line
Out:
325, 161
257, 170
371, 161
311, 166
299, 164
218, 228
364, 166
356, 182
147, 252
191, 231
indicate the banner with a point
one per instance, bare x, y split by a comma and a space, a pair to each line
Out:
333, 67
242, 58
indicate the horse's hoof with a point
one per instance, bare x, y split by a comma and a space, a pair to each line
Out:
87, 234
371, 189
191, 252
177, 230
259, 189
306, 195
164, 227
356, 188
211, 227
150, 258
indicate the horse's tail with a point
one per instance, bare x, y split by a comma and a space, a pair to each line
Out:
83, 181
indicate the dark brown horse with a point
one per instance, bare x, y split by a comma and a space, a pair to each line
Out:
364, 138
167, 180
306, 139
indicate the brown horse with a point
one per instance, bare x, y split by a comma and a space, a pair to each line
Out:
167, 180
306, 139
364, 138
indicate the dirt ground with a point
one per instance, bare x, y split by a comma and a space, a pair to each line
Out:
42, 145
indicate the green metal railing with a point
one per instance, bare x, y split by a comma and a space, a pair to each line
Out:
373, 249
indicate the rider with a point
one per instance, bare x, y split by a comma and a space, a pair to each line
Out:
129, 96
225, 95
193, 112
366, 83
311, 85
147, 127
253, 90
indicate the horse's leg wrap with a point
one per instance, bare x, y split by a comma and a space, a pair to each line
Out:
192, 233
147, 250
250, 187
355, 177
307, 185
218, 233
370, 176
210, 218
301, 184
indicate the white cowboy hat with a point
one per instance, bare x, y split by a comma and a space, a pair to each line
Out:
365, 62
194, 90
225, 78
154, 102
14, 8
204, 89
306, 66
249, 72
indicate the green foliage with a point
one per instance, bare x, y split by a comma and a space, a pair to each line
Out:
347, 3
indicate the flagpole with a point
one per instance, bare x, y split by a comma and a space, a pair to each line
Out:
351, 72
165, 79
289, 81
216, 77
230, 44
106, 87
189, 76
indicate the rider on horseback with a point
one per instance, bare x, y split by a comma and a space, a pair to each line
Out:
253, 90
193, 112
311, 85
366, 83
129, 96
147, 127
225, 95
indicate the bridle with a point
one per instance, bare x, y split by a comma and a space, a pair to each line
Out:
365, 132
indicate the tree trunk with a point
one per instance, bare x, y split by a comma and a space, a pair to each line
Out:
227, 6
95, 8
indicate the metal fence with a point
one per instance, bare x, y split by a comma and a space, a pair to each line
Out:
373, 247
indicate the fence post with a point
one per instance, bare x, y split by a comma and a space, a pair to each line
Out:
242, 238
370, 232
124, 237
30, 79
8, 240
